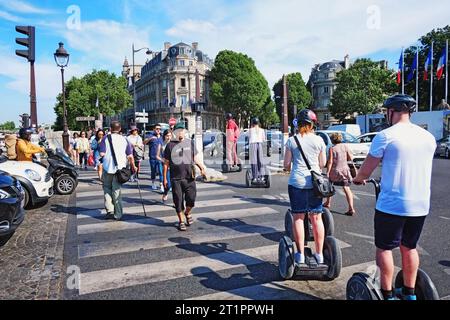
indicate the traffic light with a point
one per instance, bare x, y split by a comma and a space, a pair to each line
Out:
27, 42
25, 120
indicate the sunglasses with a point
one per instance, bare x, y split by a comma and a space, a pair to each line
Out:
158, 129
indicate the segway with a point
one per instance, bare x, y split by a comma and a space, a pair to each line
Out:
362, 286
226, 167
332, 266
264, 182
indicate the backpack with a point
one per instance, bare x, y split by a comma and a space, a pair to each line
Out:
10, 143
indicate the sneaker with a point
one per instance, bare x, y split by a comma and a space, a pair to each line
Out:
299, 258
398, 293
319, 258
154, 187
162, 189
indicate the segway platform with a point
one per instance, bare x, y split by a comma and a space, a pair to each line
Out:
229, 168
263, 183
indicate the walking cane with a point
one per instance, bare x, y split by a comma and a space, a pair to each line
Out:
140, 194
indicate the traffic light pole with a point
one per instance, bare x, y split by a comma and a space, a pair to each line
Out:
33, 102
65, 134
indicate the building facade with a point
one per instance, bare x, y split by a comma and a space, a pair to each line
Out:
322, 82
171, 83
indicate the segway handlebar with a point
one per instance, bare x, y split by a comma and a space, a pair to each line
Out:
376, 184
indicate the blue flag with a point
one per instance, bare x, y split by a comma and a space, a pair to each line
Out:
412, 69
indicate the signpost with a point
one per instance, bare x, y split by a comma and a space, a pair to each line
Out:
85, 119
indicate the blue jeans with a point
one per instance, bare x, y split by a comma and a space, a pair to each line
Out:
156, 168
304, 201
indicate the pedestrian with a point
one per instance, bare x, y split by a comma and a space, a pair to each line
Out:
83, 148
74, 152
301, 195
138, 150
95, 147
339, 171
114, 143
179, 156
406, 151
256, 139
154, 140
167, 137
25, 150
232, 136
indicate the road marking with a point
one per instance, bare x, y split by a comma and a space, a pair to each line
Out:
117, 278
100, 212
147, 195
109, 226
445, 218
447, 271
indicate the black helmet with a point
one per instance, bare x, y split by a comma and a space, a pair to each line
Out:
400, 103
229, 116
255, 121
306, 116
24, 132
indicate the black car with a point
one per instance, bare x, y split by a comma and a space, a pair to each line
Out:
12, 212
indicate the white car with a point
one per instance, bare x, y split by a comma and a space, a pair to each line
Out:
367, 138
34, 178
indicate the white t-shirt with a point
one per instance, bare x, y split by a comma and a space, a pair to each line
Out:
407, 151
257, 135
122, 149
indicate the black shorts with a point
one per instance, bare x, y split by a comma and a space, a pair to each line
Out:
183, 191
392, 230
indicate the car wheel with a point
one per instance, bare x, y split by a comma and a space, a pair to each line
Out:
5, 239
65, 184
26, 203
447, 153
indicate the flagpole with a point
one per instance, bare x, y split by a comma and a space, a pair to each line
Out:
446, 71
432, 76
403, 71
417, 79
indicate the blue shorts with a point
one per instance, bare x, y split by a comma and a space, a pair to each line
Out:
304, 201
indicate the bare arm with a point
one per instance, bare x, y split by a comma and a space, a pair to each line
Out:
330, 161
165, 169
158, 154
287, 160
322, 160
131, 162
366, 170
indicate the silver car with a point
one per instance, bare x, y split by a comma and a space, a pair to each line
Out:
443, 147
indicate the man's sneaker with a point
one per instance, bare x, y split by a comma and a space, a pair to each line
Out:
319, 258
154, 187
162, 189
398, 292
299, 258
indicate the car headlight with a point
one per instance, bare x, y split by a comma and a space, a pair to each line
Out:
4, 194
33, 175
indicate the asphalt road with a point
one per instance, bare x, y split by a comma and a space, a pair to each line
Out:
231, 252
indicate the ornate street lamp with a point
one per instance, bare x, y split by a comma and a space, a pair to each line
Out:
62, 60
148, 52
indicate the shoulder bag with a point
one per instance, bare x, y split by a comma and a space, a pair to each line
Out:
322, 186
123, 175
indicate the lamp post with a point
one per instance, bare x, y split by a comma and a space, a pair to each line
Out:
62, 60
148, 52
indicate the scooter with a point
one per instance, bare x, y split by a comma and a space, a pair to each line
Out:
362, 286
332, 266
62, 169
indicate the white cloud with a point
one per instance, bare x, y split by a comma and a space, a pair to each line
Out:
7, 16
23, 7
290, 35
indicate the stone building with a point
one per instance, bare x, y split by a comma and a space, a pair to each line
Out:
170, 83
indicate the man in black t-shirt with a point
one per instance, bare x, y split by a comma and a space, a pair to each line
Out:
179, 155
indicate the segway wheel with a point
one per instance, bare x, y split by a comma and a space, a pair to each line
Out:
289, 224
328, 222
425, 288
225, 168
333, 257
286, 264
268, 181
362, 287
248, 178
239, 168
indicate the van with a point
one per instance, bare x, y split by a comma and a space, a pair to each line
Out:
353, 129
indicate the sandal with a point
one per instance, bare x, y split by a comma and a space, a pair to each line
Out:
182, 226
189, 220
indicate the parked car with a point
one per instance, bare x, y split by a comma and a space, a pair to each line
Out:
35, 179
443, 147
366, 138
358, 150
353, 129
213, 143
12, 212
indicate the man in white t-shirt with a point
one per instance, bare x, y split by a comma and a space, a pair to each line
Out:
407, 153
256, 140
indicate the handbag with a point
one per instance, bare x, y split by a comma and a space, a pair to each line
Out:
322, 186
91, 160
123, 175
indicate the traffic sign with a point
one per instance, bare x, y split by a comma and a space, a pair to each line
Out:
172, 121
81, 119
141, 120
141, 114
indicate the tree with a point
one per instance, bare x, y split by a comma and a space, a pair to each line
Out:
82, 94
438, 36
9, 126
238, 87
298, 95
268, 114
362, 89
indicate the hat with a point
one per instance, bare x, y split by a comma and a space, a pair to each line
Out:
179, 125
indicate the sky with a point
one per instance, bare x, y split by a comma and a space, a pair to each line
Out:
282, 36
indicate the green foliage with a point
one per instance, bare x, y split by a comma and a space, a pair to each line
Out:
298, 95
238, 87
268, 114
438, 36
82, 93
9, 126
362, 88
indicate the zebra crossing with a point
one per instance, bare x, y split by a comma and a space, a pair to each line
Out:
230, 252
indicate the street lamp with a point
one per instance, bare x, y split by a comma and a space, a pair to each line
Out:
148, 52
62, 60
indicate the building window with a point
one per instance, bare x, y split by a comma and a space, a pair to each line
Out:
183, 101
182, 63
326, 117
183, 82
191, 63
181, 50
326, 90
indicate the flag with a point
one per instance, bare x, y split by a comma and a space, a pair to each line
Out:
412, 69
400, 69
427, 65
441, 64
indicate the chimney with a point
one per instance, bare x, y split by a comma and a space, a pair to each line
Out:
167, 45
195, 46
347, 61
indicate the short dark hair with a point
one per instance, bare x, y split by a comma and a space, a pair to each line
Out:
116, 126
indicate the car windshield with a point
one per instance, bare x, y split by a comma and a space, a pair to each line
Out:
346, 137
60, 152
